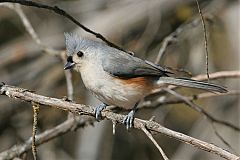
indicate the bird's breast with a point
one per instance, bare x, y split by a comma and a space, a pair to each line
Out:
124, 93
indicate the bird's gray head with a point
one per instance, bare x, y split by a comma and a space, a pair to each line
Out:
79, 50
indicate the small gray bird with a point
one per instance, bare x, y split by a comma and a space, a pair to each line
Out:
117, 78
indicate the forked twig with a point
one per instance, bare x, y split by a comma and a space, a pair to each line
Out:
154, 142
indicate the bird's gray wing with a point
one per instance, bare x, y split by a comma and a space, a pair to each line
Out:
124, 65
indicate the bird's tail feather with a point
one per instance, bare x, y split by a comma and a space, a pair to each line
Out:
193, 84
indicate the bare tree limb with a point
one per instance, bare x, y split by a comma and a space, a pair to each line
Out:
68, 75
63, 13
79, 109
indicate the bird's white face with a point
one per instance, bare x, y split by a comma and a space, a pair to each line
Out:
79, 58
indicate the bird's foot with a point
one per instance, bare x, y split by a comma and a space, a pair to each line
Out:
98, 110
128, 119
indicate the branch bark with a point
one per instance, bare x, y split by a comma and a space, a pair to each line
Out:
79, 109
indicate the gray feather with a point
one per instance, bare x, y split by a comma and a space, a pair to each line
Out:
193, 84
123, 65
74, 43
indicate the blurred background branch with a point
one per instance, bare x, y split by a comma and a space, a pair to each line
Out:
137, 26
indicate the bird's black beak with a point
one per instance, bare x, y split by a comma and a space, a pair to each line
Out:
69, 63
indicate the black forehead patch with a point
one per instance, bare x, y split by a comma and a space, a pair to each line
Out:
69, 59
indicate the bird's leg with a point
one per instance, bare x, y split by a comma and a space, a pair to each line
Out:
98, 110
128, 119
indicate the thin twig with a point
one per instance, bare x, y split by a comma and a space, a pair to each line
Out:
17, 8
201, 110
68, 76
27, 24
163, 101
34, 129
217, 75
207, 115
154, 142
221, 137
170, 38
63, 13
205, 37
79, 109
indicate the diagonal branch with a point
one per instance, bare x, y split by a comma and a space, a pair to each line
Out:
79, 109
201, 110
205, 37
207, 115
28, 26
63, 13
154, 142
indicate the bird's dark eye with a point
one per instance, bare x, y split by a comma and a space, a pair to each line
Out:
80, 54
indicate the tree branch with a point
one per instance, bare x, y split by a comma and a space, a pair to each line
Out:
79, 109
205, 37
63, 13
201, 110
34, 129
217, 75
163, 101
154, 142
46, 136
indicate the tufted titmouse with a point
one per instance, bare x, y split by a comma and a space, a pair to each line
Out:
117, 78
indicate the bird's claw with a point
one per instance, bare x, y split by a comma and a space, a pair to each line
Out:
98, 110
128, 119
